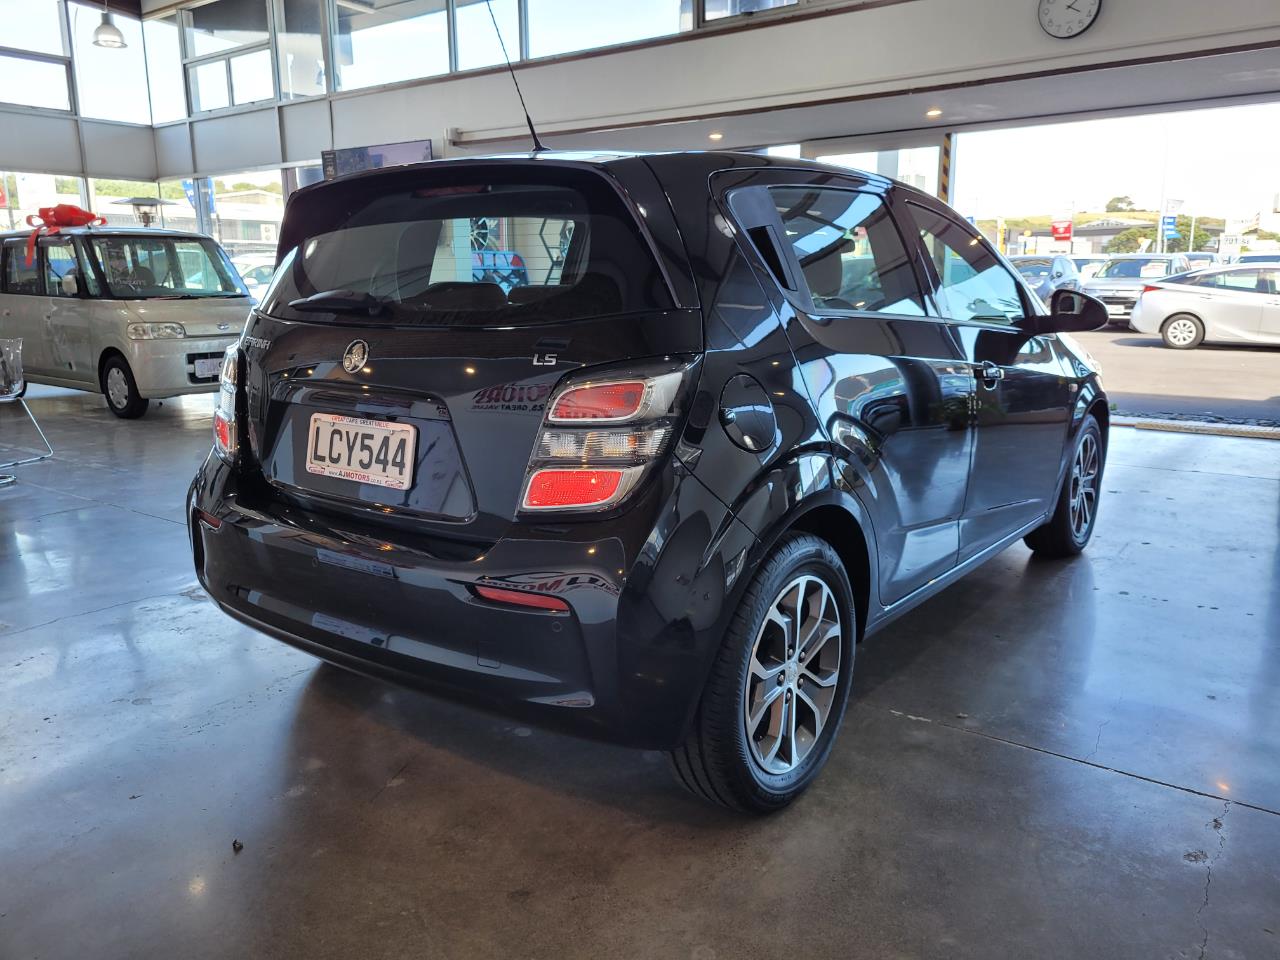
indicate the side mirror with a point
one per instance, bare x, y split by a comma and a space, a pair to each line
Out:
71, 285
1071, 311
1058, 275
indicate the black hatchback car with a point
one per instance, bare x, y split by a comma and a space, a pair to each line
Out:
744, 413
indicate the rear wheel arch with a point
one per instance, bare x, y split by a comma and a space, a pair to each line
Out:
837, 526
833, 516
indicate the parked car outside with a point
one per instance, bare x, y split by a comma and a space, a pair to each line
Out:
1272, 257
1120, 280
658, 496
255, 270
1047, 274
1088, 264
136, 313
1235, 304
1202, 260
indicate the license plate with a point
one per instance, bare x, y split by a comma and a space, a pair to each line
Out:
208, 368
366, 451
1117, 307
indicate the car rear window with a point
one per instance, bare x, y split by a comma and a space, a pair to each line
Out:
462, 245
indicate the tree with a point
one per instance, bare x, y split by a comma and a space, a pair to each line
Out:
1130, 240
1179, 244
1119, 204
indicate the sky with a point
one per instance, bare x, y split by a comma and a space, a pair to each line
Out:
1222, 162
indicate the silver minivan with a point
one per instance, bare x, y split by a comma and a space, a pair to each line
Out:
134, 313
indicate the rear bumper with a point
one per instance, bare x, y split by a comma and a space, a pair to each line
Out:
625, 664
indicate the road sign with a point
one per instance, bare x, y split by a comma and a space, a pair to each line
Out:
1168, 222
1171, 234
1061, 230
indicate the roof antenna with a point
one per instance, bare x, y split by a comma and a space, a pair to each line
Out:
537, 144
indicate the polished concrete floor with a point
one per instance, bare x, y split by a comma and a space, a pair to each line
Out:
1075, 759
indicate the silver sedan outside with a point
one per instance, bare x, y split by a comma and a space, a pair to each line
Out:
1224, 305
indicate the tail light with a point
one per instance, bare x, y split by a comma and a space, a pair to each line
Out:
226, 432
600, 436
1148, 289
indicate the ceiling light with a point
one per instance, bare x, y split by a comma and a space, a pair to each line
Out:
107, 34
933, 113
717, 135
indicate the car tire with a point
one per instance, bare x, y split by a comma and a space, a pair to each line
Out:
764, 663
1069, 530
1182, 331
121, 390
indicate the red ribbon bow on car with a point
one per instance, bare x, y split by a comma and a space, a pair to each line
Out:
52, 219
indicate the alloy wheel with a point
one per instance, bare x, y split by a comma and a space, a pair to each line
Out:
1084, 486
792, 676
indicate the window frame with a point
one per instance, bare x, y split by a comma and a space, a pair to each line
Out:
191, 61
37, 56
796, 268
42, 258
795, 289
934, 281
19, 244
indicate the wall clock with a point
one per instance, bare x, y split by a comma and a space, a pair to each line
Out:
1065, 19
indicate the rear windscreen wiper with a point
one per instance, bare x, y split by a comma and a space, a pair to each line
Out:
340, 301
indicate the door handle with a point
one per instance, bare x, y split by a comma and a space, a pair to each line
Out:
990, 373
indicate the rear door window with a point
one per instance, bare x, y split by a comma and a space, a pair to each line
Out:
465, 246
19, 276
851, 255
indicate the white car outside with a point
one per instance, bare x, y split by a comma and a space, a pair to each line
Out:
1224, 305
255, 270
133, 313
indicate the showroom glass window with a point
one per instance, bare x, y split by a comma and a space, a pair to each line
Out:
565, 26
26, 193
111, 83
973, 284
478, 44
228, 54
850, 253
385, 41
248, 208
718, 9
105, 198
164, 69
300, 48
36, 75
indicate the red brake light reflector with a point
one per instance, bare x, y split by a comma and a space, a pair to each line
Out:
519, 598
222, 431
1149, 288
208, 519
605, 401
571, 488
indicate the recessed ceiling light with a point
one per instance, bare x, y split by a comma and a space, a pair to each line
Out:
933, 113
715, 136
